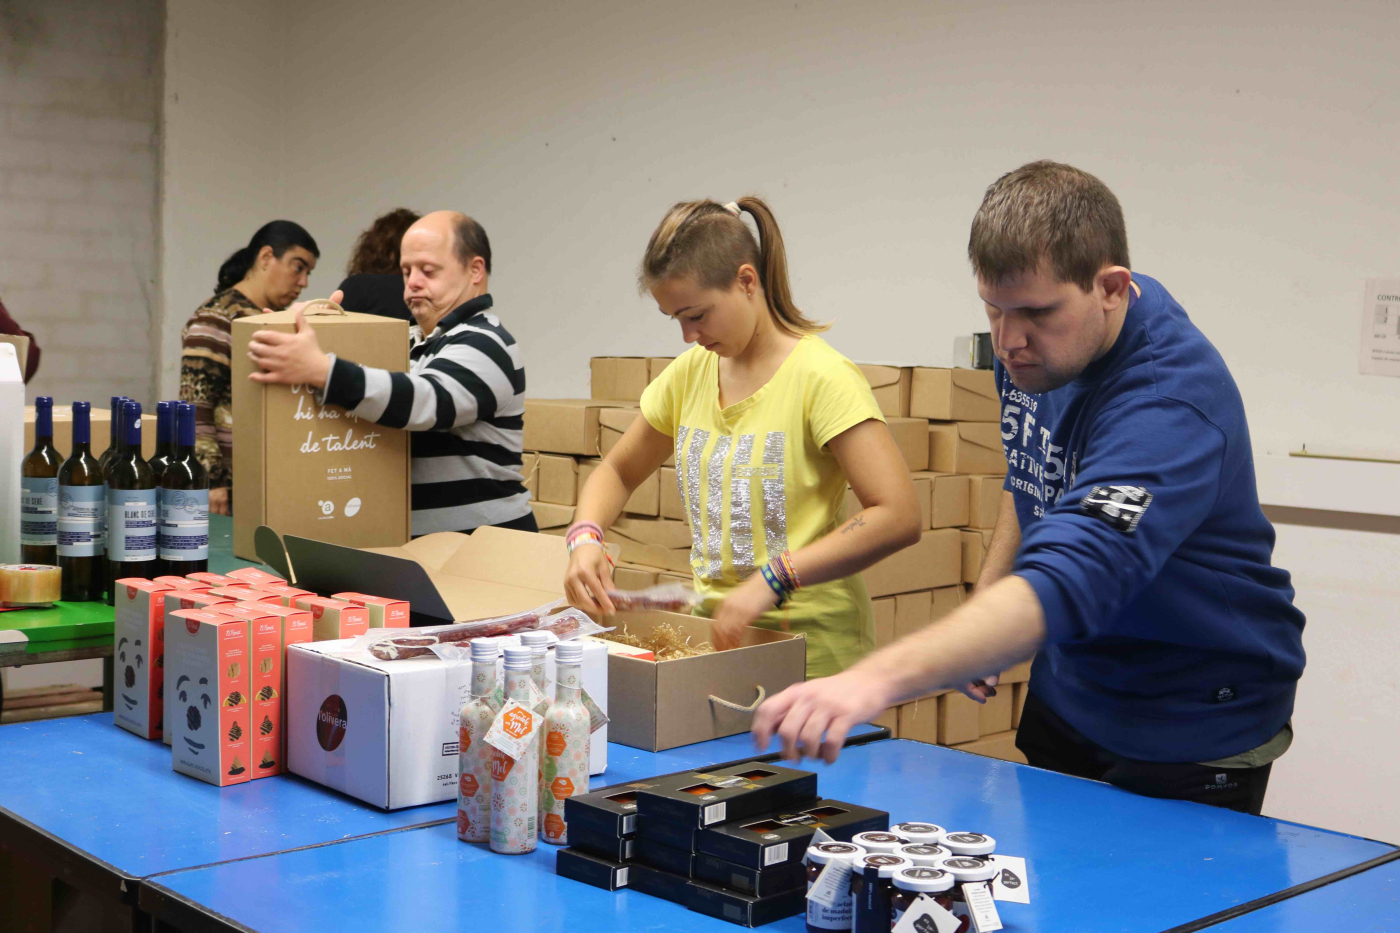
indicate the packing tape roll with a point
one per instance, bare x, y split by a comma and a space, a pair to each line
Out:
30, 585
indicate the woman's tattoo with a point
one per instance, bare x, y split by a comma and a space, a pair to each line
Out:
856, 522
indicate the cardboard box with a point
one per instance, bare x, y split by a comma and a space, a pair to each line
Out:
609, 812
890, 385
935, 561
187, 599
666, 576
889, 719
591, 869
13, 448
212, 579
530, 470
1018, 703
385, 732
383, 612
100, 425
138, 656
313, 471
984, 502
1019, 674
332, 619
558, 479
659, 543
918, 720
948, 499
995, 715
265, 683
255, 577
959, 719
911, 437
744, 909
618, 377
965, 447
657, 854
289, 594
781, 837
923, 490
945, 600
1002, 746
552, 519
612, 848
241, 593
656, 705
645, 499
955, 395
182, 583
656, 365
633, 577
882, 610
206, 663
672, 505
974, 544
756, 882
612, 424
912, 612
698, 799
566, 426
294, 630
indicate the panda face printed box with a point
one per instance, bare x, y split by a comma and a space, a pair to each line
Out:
206, 669
138, 656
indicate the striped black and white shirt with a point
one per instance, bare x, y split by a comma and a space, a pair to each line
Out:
464, 397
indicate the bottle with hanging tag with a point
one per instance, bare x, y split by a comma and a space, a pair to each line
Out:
514, 779
473, 754
567, 741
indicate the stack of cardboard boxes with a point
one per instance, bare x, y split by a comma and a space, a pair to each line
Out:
946, 423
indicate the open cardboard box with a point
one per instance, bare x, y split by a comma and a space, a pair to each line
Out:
656, 705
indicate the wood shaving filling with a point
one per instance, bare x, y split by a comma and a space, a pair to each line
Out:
666, 641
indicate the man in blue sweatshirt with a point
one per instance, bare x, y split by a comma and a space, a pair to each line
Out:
1130, 557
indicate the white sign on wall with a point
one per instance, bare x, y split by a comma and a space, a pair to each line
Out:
1380, 328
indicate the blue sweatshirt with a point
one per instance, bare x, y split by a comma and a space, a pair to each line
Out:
1171, 637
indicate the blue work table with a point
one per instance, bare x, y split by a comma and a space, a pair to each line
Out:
1099, 859
102, 808
1368, 902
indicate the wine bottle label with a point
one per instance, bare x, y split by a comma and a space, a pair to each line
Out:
80, 521
38, 511
102, 523
184, 524
131, 524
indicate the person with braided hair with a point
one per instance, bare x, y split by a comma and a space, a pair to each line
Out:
768, 424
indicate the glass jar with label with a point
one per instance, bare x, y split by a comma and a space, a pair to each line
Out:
963, 843
919, 833
878, 842
910, 883
923, 856
871, 887
966, 869
819, 915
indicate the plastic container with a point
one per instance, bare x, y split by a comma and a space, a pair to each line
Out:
878, 842
922, 855
919, 833
963, 843
871, 887
911, 883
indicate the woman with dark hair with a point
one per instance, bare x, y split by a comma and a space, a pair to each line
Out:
374, 281
270, 272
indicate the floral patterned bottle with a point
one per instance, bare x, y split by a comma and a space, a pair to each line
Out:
538, 643
566, 742
515, 798
473, 754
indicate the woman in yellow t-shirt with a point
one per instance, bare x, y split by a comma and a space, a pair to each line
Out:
768, 424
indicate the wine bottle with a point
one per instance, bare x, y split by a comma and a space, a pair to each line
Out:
165, 441
38, 484
184, 504
105, 461
81, 506
131, 506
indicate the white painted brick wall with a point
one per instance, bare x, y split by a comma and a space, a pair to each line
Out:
79, 117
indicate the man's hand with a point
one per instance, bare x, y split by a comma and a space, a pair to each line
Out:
981, 690
829, 706
738, 610
289, 358
218, 501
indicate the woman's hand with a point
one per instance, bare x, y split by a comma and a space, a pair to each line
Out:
588, 580
738, 610
218, 501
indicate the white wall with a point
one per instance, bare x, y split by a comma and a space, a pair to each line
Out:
1254, 151
79, 105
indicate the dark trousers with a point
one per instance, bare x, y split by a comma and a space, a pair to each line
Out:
1049, 742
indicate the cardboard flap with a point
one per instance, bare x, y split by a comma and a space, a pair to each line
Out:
618, 419
515, 558
879, 375
432, 551
981, 434
324, 317
667, 533
980, 382
270, 550
332, 568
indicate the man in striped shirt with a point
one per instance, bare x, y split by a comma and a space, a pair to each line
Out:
463, 395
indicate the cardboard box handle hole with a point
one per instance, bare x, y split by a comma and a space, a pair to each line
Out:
762, 695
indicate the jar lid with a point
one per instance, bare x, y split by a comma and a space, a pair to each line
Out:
877, 841
924, 880
886, 864
969, 868
929, 833
824, 852
969, 843
923, 854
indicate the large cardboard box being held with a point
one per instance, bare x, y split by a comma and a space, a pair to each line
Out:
656, 705
619, 377
890, 385
313, 471
965, 447
955, 395
566, 426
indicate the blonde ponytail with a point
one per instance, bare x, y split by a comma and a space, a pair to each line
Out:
709, 242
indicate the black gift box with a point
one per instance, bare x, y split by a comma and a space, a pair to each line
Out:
589, 839
611, 811
757, 882
771, 839
667, 858
744, 909
592, 869
703, 798
669, 833
662, 884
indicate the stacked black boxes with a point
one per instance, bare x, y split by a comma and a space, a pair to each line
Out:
728, 842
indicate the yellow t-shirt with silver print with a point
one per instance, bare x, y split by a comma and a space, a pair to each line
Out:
757, 479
